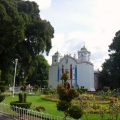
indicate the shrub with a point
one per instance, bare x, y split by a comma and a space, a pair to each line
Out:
2, 97
25, 105
35, 88
40, 108
3, 88
63, 105
21, 97
66, 95
21, 103
45, 91
105, 88
2, 82
81, 89
75, 112
23, 88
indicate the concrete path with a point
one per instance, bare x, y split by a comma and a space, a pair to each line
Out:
2, 117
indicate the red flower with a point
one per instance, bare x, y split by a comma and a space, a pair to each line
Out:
111, 101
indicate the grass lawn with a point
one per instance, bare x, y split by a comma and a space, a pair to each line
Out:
37, 101
50, 107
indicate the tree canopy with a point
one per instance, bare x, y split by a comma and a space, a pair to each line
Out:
110, 74
23, 35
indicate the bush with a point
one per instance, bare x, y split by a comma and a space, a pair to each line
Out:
25, 105
22, 97
75, 112
21, 103
2, 97
23, 88
39, 108
105, 88
3, 88
36, 87
45, 91
63, 105
2, 82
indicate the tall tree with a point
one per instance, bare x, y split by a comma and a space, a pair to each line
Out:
110, 74
23, 35
41, 71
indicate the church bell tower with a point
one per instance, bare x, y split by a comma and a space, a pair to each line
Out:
83, 55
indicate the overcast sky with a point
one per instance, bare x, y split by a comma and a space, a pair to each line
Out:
78, 22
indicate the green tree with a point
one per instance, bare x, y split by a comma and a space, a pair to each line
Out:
110, 74
23, 35
66, 95
41, 71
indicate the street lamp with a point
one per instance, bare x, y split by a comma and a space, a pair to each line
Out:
16, 60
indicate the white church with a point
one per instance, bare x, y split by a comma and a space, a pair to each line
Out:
81, 70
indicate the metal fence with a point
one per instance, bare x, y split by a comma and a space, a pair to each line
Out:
18, 113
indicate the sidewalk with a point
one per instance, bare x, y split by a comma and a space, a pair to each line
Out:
2, 117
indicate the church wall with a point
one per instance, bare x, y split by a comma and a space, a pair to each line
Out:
67, 67
86, 76
53, 71
92, 88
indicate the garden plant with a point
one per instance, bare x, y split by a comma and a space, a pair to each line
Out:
2, 89
66, 95
21, 102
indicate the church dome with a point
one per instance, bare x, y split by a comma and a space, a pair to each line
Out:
83, 48
57, 53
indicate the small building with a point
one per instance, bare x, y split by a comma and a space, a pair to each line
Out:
96, 79
81, 70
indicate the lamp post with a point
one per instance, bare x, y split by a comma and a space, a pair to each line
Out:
16, 60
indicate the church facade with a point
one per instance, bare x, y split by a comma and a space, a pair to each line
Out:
80, 70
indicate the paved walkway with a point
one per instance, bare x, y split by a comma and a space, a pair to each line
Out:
2, 117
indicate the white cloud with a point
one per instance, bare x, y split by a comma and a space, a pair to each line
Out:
43, 4
57, 43
93, 22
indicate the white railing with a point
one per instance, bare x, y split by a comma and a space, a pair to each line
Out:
26, 114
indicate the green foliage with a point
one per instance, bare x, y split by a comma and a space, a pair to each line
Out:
53, 98
75, 111
22, 97
23, 88
2, 97
62, 92
65, 77
26, 37
21, 102
2, 82
66, 95
40, 74
52, 90
81, 89
25, 105
72, 93
39, 108
3, 88
45, 91
35, 88
106, 89
63, 105
110, 74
